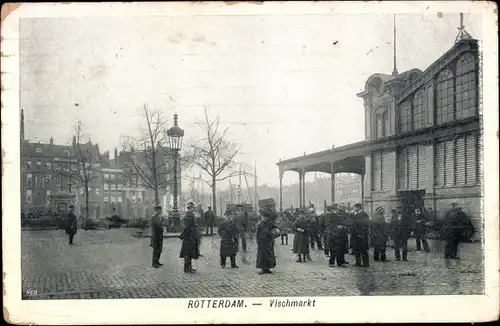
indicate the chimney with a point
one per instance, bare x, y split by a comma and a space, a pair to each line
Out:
51, 141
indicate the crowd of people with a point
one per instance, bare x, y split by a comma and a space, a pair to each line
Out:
337, 232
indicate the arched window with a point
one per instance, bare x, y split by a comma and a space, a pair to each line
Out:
405, 118
444, 97
420, 110
385, 123
378, 126
466, 94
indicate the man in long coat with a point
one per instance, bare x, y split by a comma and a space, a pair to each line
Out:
266, 232
400, 232
335, 228
314, 234
379, 235
359, 236
457, 228
71, 224
228, 242
157, 236
301, 238
190, 238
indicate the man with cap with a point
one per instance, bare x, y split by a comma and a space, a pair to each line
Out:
266, 232
400, 232
157, 236
190, 239
314, 229
301, 237
336, 229
379, 235
72, 224
228, 241
359, 236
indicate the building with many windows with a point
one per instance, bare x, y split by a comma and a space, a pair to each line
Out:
48, 168
422, 144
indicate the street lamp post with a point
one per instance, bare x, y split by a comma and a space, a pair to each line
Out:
175, 135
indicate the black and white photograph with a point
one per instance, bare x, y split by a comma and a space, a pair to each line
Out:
250, 162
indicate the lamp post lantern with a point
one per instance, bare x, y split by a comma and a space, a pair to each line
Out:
175, 135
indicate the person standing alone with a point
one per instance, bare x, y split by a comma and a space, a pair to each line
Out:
209, 221
228, 242
72, 224
157, 236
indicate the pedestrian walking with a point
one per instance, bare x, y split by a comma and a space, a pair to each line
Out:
267, 231
71, 224
190, 239
420, 230
209, 221
157, 236
228, 242
301, 238
379, 235
359, 236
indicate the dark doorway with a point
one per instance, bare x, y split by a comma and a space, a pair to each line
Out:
410, 200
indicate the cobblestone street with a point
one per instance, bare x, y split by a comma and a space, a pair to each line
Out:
114, 264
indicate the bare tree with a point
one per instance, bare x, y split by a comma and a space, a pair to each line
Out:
150, 161
87, 157
214, 154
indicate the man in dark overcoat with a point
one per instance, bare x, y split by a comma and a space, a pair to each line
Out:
71, 224
314, 234
335, 228
379, 235
400, 232
360, 236
228, 242
457, 228
301, 237
266, 232
157, 236
189, 237
209, 221
240, 219
420, 229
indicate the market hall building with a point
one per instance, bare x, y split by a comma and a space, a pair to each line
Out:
422, 142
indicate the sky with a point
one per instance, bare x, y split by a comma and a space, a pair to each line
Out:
284, 85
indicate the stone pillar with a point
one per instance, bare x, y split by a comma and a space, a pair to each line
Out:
303, 188
301, 177
367, 177
362, 188
281, 192
332, 179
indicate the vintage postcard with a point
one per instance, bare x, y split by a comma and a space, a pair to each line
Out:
250, 162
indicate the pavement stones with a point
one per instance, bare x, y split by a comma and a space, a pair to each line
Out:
115, 264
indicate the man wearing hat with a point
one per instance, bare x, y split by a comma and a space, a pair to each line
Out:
379, 234
157, 236
359, 236
190, 239
72, 224
266, 232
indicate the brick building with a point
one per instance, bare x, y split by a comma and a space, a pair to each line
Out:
422, 142
47, 168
